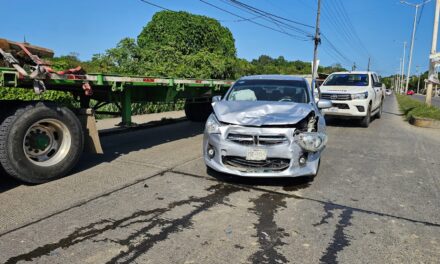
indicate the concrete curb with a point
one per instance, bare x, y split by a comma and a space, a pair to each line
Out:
424, 122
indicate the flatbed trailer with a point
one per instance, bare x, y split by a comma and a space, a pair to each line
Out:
41, 140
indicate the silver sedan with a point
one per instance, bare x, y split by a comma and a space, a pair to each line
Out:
266, 126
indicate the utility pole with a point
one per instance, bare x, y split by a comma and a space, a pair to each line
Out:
402, 74
433, 51
317, 40
412, 38
399, 78
418, 81
353, 68
369, 63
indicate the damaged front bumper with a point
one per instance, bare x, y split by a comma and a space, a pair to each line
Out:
228, 150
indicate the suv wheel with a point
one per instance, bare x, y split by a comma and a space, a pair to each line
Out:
379, 113
366, 120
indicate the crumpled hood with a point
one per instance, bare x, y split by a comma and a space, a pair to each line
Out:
259, 113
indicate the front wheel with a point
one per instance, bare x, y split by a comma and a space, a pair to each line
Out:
40, 142
366, 120
379, 113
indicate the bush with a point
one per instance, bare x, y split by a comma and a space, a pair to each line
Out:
60, 97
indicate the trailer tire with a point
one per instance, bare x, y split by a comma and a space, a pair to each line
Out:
197, 111
40, 142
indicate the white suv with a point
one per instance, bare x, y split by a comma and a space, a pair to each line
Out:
357, 95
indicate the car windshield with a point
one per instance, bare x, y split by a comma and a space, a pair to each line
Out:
347, 80
269, 90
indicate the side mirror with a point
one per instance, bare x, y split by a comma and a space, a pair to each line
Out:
216, 98
323, 104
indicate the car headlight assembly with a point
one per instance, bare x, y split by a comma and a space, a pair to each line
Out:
312, 141
212, 125
359, 96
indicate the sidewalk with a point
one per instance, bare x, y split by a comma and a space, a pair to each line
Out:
111, 123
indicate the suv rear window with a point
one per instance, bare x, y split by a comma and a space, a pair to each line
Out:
347, 80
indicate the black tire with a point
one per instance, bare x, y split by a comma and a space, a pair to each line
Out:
198, 111
17, 126
379, 113
365, 122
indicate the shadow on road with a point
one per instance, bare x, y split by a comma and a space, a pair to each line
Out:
288, 184
391, 113
118, 144
342, 122
7, 183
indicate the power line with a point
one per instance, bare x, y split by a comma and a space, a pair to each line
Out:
254, 22
338, 19
344, 27
333, 47
270, 14
421, 14
158, 6
246, 19
268, 17
351, 26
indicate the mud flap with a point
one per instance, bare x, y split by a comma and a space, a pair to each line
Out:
92, 143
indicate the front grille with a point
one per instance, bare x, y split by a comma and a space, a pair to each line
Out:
341, 106
271, 140
259, 140
337, 97
271, 164
241, 139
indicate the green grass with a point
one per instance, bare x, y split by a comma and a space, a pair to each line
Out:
414, 108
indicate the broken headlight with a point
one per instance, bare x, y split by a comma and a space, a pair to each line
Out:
312, 141
212, 125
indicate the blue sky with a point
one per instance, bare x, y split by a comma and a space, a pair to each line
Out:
88, 27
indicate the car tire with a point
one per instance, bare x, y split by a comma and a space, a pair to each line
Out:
379, 113
365, 122
40, 142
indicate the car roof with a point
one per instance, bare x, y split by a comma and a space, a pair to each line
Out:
273, 77
355, 72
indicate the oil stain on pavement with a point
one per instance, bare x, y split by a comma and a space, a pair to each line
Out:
140, 241
268, 233
340, 239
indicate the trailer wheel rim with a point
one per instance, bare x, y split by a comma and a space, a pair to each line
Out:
47, 142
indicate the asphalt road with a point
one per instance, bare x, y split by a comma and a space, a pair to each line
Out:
435, 100
149, 199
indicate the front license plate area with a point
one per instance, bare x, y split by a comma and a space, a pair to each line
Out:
333, 109
256, 154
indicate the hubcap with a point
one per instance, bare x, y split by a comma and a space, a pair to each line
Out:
47, 142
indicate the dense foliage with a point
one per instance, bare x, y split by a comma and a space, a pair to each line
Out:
174, 44
268, 65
